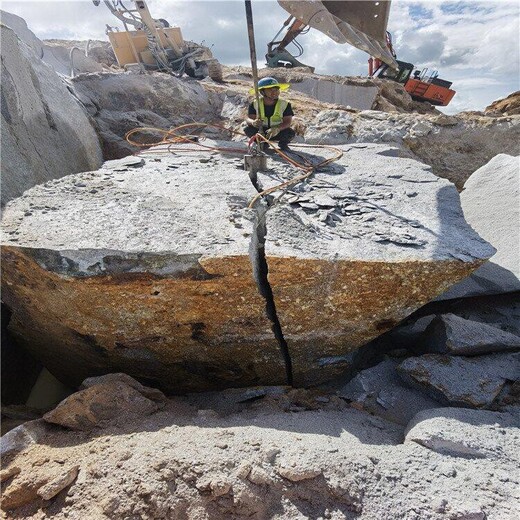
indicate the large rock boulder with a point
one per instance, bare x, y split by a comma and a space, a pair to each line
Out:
148, 265
491, 204
45, 132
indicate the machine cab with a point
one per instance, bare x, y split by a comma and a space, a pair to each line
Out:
401, 76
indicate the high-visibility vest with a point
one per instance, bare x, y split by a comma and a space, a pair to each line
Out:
277, 117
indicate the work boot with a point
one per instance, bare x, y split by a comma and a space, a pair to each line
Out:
284, 146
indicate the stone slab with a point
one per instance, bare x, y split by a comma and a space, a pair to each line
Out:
461, 381
451, 334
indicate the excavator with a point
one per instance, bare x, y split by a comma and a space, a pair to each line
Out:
154, 45
363, 25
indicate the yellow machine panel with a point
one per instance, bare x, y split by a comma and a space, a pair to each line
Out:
132, 46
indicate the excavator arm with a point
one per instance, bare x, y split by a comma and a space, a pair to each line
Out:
359, 23
277, 55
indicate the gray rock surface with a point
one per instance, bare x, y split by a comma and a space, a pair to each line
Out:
122, 101
472, 434
380, 391
70, 61
19, 26
451, 334
461, 381
491, 204
429, 138
19, 438
45, 133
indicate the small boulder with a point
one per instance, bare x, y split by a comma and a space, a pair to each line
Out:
100, 405
451, 334
297, 473
461, 381
380, 391
22, 436
491, 204
55, 486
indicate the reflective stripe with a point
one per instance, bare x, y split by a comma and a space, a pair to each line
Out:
277, 117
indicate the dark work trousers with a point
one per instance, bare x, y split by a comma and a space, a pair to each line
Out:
284, 137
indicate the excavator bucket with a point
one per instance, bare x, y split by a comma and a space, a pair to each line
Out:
360, 23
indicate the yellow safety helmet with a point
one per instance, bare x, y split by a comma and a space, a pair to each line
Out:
270, 82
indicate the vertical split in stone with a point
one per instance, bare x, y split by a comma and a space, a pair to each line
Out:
260, 273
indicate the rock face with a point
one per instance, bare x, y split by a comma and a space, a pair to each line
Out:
45, 133
147, 266
491, 204
122, 101
509, 106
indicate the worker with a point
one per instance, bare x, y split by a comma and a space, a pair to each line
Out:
275, 114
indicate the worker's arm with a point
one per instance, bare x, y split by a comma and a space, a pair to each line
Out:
286, 122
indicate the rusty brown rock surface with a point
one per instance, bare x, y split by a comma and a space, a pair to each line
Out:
182, 332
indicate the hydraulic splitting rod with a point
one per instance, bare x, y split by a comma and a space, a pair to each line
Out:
253, 163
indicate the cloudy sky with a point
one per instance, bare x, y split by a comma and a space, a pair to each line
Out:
475, 44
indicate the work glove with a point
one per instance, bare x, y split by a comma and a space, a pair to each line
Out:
257, 123
272, 132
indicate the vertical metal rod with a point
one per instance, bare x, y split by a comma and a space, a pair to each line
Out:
252, 49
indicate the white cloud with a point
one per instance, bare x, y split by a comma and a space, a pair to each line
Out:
475, 44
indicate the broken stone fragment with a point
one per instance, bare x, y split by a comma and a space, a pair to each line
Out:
451, 334
7, 473
52, 488
150, 393
459, 432
100, 405
298, 473
380, 391
472, 382
23, 436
